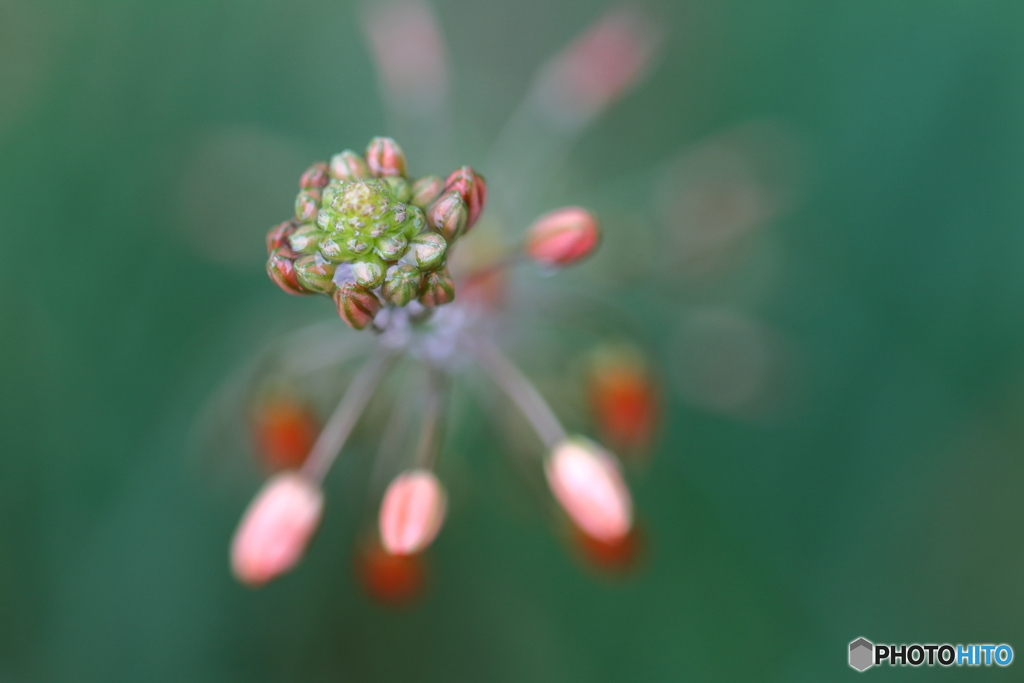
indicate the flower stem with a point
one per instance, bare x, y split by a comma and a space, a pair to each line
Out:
526, 397
433, 415
341, 423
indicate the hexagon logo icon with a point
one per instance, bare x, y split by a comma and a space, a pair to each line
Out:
861, 654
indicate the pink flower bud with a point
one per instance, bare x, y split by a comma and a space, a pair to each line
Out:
348, 166
412, 512
315, 177
587, 483
385, 157
473, 190
281, 269
563, 237
448, 216
438, 289
426, 190
278, 235
356, 306
276, 528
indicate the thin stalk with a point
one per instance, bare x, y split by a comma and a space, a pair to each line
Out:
341, 423
522, 392
433, 416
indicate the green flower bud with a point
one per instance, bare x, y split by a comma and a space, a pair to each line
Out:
402, 284
307, 204
426, 190
369, 272
357, 306
400, 188
429, 250
315, 177
348, 166
305, 238
332, 251
385, 157
448, 216
314, 274
391, 247
281, 269
438, 289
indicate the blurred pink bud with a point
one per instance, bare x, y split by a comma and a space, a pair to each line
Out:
410, 54
276, 528
472, 188
356, 305
600, 66
412, 512
563, 237
315, 177
587, 483
385, 157
426, 190
348, 166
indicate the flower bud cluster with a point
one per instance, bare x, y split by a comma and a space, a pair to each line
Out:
368, 236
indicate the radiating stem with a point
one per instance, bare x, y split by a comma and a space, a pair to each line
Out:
522, 392
433, 415
341, 423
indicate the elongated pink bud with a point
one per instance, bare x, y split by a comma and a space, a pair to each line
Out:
385, 157
587, 483
472, 187
276, 528
412, 512
563, 237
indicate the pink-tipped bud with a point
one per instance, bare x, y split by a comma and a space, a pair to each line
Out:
438, 289
448, 215
315, 177
587, 483
276, 528
473, 190
563, 237
348, 166
357, 306
412, 512
385, 157
281, 269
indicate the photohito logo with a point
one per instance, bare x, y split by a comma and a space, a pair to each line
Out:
864, 654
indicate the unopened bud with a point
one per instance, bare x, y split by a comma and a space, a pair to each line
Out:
305, 238
401, 190
281, 269
587, 483
315, 177
285, 430
563, 237
314, 274
391, 247
391, 579
426, 190
412, 512
473, 190
278, 235
438, 289
385, 157
307, 205
402, 284
448, 215
348, 166
356, 305
369, 273
428, 249
276, 528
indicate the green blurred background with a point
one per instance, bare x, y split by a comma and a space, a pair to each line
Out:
866, 482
